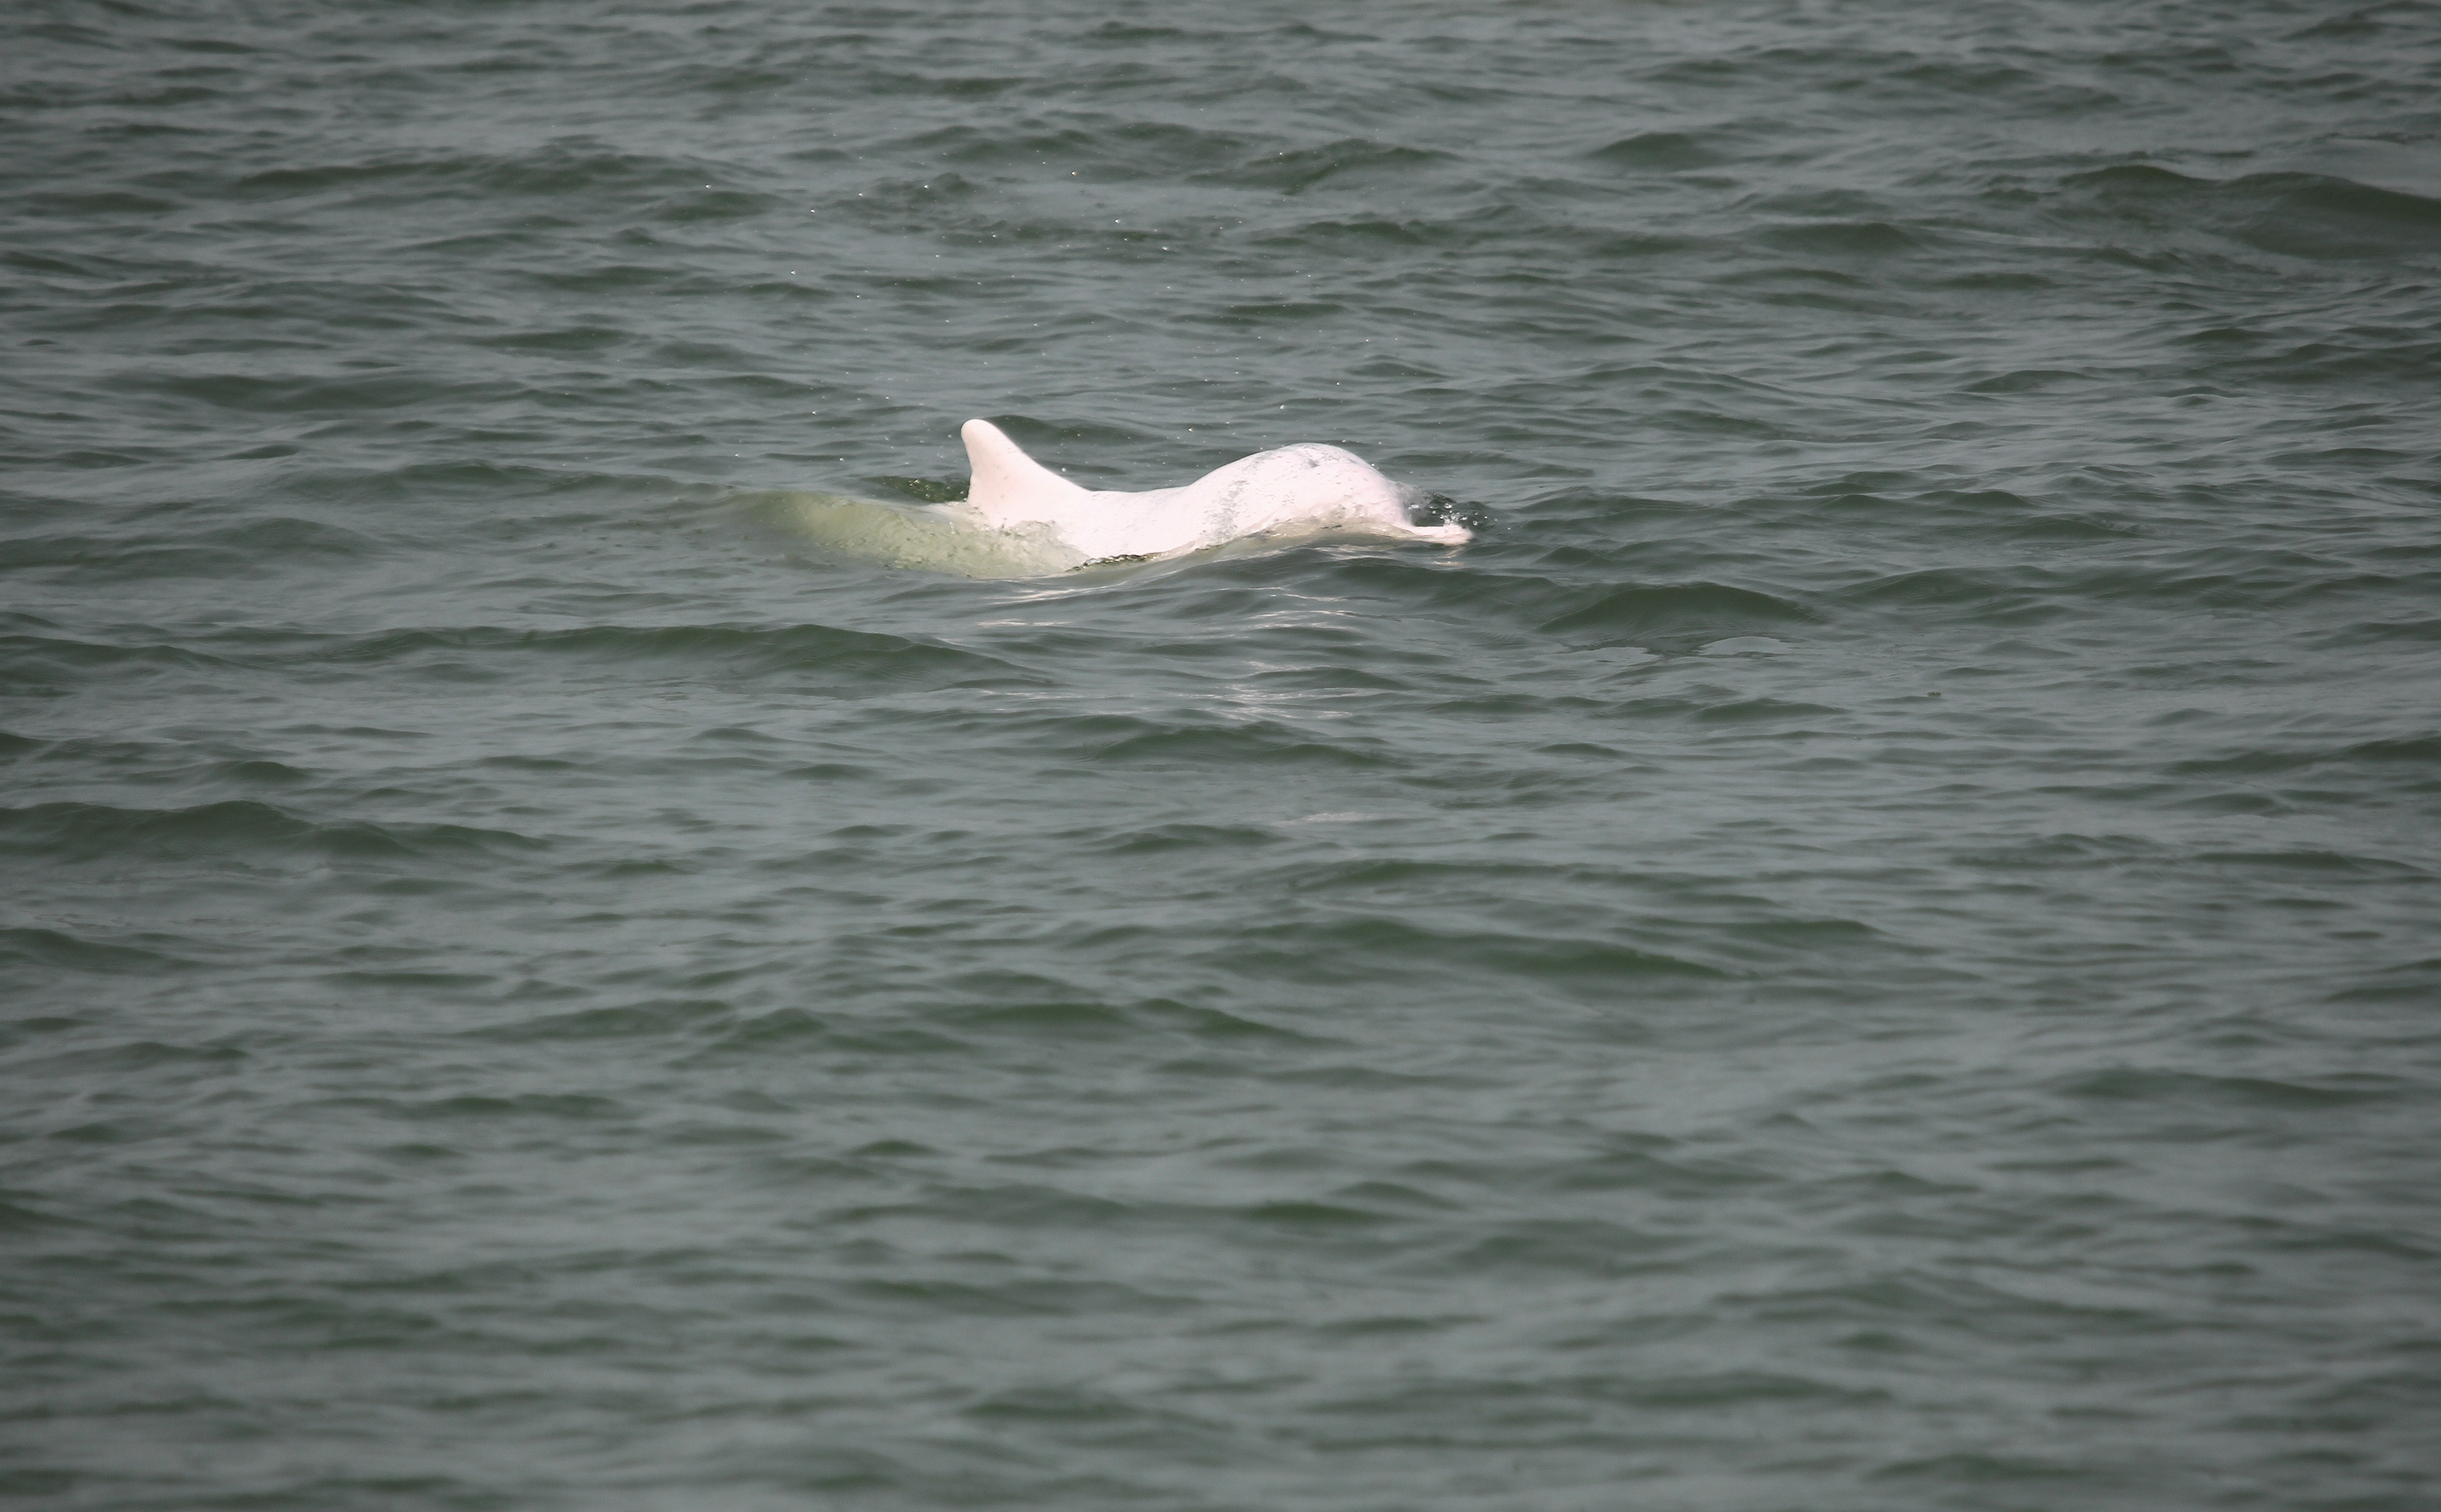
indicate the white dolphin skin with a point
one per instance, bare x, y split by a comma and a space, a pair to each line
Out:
1298, 489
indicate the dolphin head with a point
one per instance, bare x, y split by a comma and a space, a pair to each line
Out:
1430, 511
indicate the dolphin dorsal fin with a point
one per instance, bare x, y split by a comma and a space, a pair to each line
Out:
1009, 487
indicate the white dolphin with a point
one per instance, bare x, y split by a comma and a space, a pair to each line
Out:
1308, 488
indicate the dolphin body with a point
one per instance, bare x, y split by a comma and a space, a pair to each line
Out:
1304, 490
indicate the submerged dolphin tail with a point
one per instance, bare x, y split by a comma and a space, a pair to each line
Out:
1010, 488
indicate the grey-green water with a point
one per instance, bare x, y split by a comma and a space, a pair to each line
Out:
1870, 945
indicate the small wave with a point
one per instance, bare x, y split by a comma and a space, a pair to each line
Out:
57, 949
1871, 239
2306, 215
553, 170
1237, 746
32, 663
2237, 1092
1372, 947
847, 661
1668, 151
90, 832
1682, 611
237, 549
1353, 160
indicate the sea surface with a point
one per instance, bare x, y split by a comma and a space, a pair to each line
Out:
1872, 943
